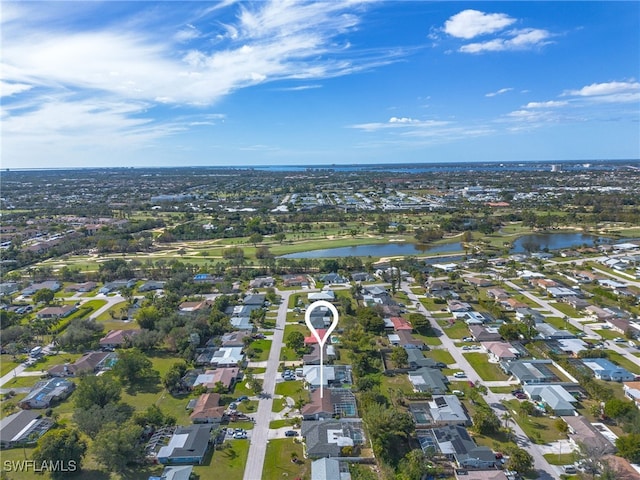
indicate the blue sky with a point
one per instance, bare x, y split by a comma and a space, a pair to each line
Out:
272, 83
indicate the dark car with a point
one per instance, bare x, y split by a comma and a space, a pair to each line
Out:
242, 398
290, 433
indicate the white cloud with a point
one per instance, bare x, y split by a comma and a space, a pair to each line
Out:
472, 23
613, 91
519, 40
402, 120
499, 92
8, 89
549, 104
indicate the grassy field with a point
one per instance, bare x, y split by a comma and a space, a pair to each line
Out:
7, 364
278, 464
261, 349
226, 462
488, 371
560, 458
440, 355
457, 330
540, 430
291, 389
288, 422
47, 361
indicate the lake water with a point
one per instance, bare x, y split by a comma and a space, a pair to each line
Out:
381, 250
533, 242
554, 241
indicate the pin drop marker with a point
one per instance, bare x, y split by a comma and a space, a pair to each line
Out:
314, 332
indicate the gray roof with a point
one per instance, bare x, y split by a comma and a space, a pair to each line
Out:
428, 379
325, 438
177, 472
191, 441
455, 440
47, 391
18, 427
416, 357
532, 371
329, 469
441, 409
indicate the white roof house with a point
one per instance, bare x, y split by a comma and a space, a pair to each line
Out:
227, 356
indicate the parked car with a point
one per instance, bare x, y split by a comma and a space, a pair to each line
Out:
458, 393
467, 339
520, 396
460, 375
291, 433
239, 435
242, 399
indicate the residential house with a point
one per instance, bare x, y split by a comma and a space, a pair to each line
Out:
57, 311
329, 469
555, 397
530, 371
242, 323
207, 278
262, 282
295, 281
632, 392
500, 351
207, 409
335, 402
362, 277
227, 357
52, 285
313, 358
604, 369
522, 314
118, 338
428, 380
416, 359
547, 331
117, 285
575, 302
326, 295
8, 288
455, 306
234, 339
187, 445
327, 438
484, 334
22, 428
439, 411
512, 304
194, 306
91, 362
497, 293
151, 285
583, 433
333, 376
478, 281
227, 376
256, 299
598, 313
81, 287
620, 325
454, 442
561, 292
47, 393
333, 278
177, 472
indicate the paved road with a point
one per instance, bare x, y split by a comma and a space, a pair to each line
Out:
544, 469
260, 432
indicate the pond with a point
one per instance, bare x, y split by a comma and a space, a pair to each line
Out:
379, 250
555, 241
527, 243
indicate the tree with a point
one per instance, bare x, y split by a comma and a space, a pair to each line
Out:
172, 380
147, 317
44, 295
526, 408
295, 341
62, 447
419, 322
616, 408
399, 357
255, 238
118, 445
91, 420
132, 365
519, 460
94, 390
414, 466
629, 447
561, 426
485, 421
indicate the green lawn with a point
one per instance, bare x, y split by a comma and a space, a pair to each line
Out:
457, 330
560, 458
279, 404
291, 389
278, 464
540, 430
47, 361
608, 334
288, 422
440, 355
226, 462
395, 383
567, 309
261, 349
19, 382
488, 371
7, 364
176, 406
429, 337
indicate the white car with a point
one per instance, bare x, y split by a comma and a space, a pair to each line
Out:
460, 375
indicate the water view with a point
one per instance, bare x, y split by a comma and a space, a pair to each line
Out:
526, 243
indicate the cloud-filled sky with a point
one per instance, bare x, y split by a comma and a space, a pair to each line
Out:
344, 81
